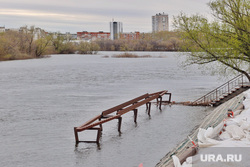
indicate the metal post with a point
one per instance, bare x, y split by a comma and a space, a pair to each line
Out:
100, 124
76, 135
216, 94
160, 103
98, 135
101, 127
135, 115
119, 124
149, 108
242, 79
169, 97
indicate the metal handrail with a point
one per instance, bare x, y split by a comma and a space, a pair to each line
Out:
222, 90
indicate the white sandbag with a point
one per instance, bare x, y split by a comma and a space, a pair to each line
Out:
225, 136
209, 132
245, 115
246, 104
204, 139
248, 137
233, 143
235, 131
188, 162
217, 129
244, 125
203, 145
176, 161
213, 132
201, 135
232, 122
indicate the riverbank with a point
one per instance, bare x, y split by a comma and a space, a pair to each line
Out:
184, 149
227, 144
22, 57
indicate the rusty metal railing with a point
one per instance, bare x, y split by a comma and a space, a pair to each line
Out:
118, 111
222, 91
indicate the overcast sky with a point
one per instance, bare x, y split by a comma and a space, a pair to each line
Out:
93, 15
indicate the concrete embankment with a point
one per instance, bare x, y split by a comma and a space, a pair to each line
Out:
184, 149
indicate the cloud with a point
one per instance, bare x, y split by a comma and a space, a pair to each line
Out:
92, 15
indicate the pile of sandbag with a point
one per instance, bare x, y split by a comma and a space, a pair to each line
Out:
231, 129
232, 132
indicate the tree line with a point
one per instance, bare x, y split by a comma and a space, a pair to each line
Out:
161, 41
28, 44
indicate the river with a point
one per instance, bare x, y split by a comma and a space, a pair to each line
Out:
43, 99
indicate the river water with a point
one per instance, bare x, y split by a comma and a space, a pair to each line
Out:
43, 99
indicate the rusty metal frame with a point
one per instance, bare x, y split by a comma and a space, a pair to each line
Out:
118, 111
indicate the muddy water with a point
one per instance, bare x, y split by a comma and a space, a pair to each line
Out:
43, 99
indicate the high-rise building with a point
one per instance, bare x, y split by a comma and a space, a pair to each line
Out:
115, 29
160, 22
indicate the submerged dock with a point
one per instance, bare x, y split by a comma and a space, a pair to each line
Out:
117, 112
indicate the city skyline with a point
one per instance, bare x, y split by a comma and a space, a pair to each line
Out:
75, 16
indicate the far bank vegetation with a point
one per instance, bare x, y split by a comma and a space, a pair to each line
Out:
130, 55
26, 44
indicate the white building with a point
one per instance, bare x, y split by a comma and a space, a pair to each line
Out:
2, 29
116, 28
160, 22
35, 31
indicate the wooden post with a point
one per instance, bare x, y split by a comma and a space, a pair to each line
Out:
135, 115
76, 135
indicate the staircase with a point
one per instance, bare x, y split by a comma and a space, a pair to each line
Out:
224, 92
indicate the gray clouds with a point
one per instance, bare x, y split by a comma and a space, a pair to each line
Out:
92, 15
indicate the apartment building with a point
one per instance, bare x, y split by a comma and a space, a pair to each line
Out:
116, 28
130, 35
160, 22
36, 31
92, 36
